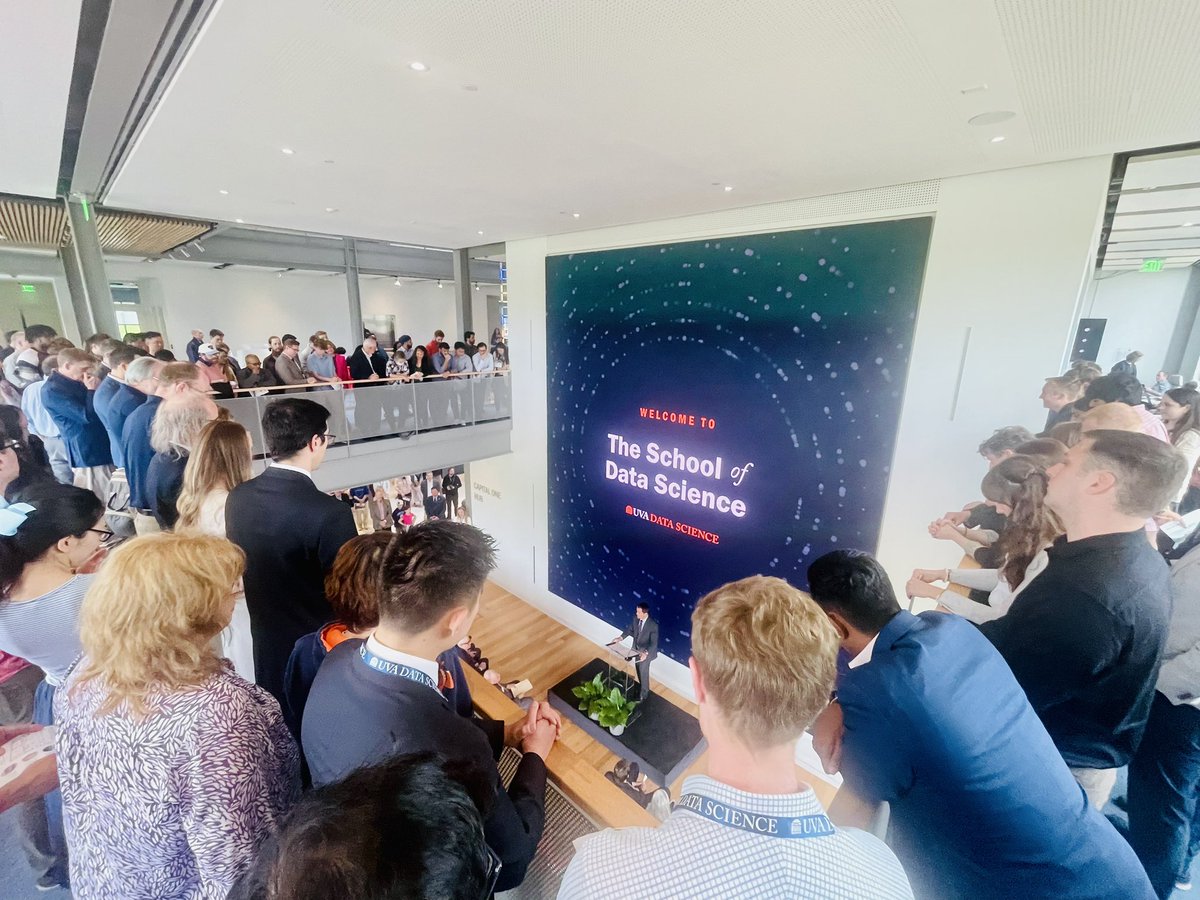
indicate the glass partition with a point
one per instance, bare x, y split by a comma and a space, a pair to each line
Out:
363, 412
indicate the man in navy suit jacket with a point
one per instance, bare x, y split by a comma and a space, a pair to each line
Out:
644, 631
379, 698
116, 398
291, 532
929, 718
69, 398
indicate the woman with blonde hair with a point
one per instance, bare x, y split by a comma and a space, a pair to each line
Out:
218, 463
173, 769
176, 427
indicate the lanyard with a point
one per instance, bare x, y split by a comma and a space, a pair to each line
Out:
397, 670
755, 823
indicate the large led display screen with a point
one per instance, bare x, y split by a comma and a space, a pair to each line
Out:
722, 408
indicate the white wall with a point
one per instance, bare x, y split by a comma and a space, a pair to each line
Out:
420, 307
1141, 308
46, 268
1009, 256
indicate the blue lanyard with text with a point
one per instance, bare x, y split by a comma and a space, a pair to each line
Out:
397, 670
755, 823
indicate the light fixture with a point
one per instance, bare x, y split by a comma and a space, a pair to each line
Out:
198, 246
287, 151
279, 274
398, 282
1185, 225
223, 191
998, 139
186, 255
728, 188
331, 209
575, 215
995, 117
479, 232
240, 221
418, 66
439, 282
476, 285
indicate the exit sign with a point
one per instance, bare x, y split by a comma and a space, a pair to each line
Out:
28, 289
1152, 265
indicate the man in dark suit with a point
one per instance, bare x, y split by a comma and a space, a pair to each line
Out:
291, 532
377, 698
435, 504
644, 631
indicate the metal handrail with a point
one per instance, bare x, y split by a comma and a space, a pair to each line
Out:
389, 379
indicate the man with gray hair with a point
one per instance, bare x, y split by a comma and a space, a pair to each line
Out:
1085, 638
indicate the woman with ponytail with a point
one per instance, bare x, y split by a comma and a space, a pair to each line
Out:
1017, 487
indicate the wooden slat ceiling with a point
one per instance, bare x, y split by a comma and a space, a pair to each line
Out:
33, 222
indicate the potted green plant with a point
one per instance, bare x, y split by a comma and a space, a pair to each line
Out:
589, 694
615, 710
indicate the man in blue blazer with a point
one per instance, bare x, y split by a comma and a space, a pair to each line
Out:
291, 532
929, 718
69, 398
116, 398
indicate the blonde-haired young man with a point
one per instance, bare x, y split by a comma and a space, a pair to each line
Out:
763, 665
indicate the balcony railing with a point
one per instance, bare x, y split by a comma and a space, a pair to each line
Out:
362, 413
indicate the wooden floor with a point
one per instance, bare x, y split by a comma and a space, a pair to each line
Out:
523, 642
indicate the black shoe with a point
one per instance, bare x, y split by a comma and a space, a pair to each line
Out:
49, 883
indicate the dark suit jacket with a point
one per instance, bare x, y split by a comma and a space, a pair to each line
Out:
356, 716
114, 402
435, 506
647, 639
291, 532
71, 406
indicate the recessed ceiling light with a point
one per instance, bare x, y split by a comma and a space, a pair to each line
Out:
240, 221
479, 232
995, 117
471, 87
418, 66
728, 188
1188, 224
998, 139
439, 282
575, 215
288, 151
331, 209
223, 191
398, 282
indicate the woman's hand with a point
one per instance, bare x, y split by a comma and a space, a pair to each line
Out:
944, 531
929, 576
915, 587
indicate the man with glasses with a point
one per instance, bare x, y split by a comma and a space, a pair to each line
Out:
291, 532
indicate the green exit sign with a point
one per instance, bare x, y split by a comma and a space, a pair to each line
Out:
1152, 265
28, 289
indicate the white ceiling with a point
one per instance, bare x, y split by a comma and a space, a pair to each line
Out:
1158, 213
36, 61
627, 110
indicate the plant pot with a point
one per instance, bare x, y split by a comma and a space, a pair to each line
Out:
617, 730
595, 717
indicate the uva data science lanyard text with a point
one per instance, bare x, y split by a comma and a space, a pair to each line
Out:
756, 823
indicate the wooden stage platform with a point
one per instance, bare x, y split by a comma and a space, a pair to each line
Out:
523, 642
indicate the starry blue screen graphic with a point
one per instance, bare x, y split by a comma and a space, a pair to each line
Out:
722, 408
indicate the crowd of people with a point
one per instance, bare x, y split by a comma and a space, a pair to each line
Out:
256, 706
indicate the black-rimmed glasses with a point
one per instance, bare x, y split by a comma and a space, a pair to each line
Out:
105, 534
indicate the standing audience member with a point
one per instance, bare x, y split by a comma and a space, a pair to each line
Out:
115, 399
1058, 396
323, 851
1121, 388
434, 345
69, 398
173, 769
435, 503
215, 373
28, 367
172, 383
1165, 770
368, 364
319, 363
274, 350
1004, 443
47, 543
255, 375
219, 462
1018, 488
288, 369
176, 429
193, 346
929, 719
1180, 411
451, 485
1085, 638
1128, 365
42, 424
377, 698
291, 532
16, 344
763, 666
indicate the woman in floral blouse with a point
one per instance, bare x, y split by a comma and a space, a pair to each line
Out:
173, 769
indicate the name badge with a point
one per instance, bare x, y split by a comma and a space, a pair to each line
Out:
756, 823
396, 670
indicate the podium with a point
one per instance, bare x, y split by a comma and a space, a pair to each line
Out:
618, 663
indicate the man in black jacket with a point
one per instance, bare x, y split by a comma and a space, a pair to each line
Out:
380, 697
1085, 638
291, 532
368, 364
644, 631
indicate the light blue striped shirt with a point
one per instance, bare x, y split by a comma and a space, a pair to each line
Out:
40, 422
692, 856
45, 630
